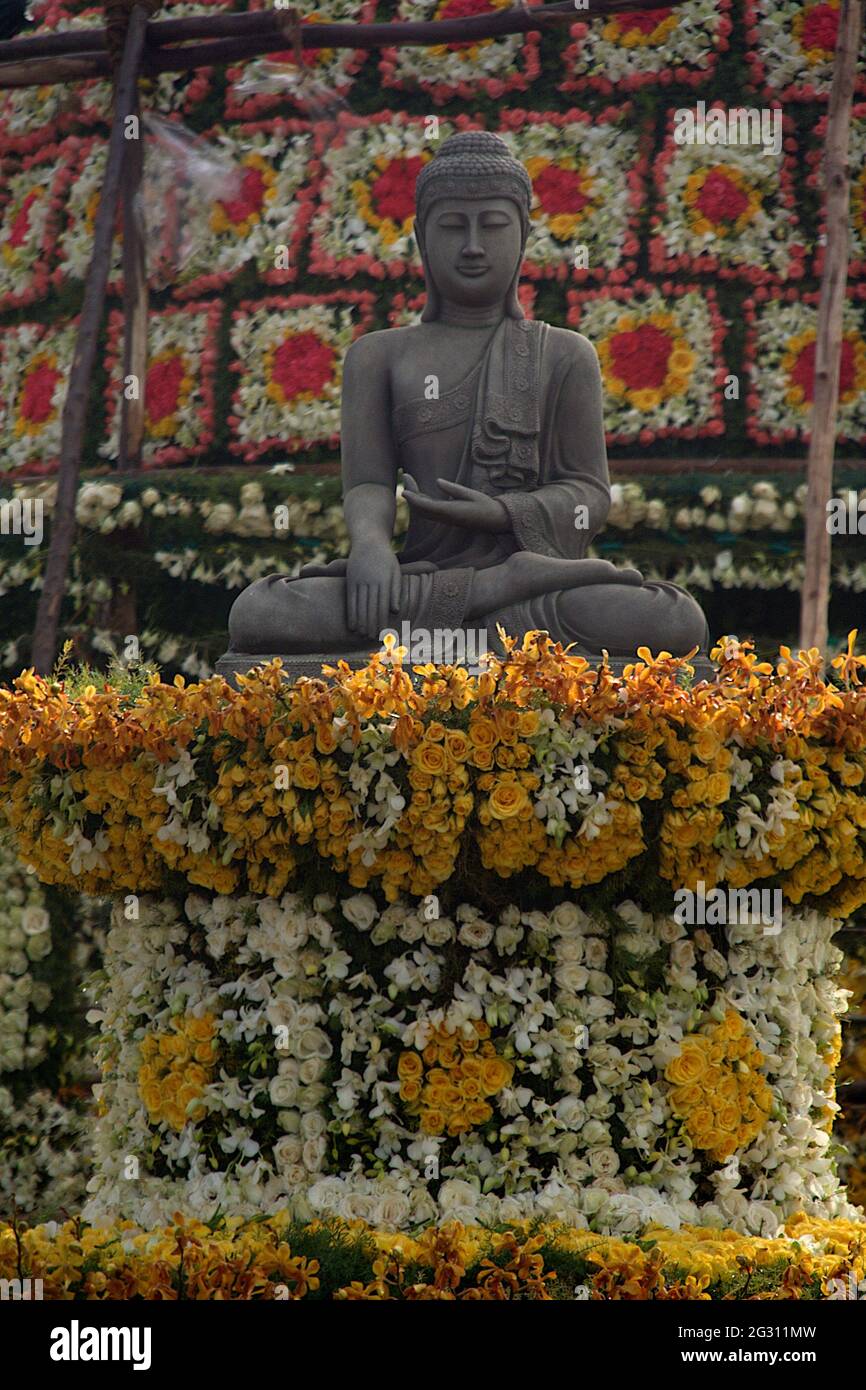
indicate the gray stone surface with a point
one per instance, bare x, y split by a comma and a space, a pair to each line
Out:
496, 424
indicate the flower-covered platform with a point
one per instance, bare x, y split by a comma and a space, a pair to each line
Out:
412, 953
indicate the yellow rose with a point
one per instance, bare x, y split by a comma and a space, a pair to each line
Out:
716, 789
728, 1117
326, 739
482, 734
478, 1112
689, 1066
707, 744
431, 758
508, 800
495, 1073
432, 1122
307, 774
685, 1098
409, 1066
410, 1090
458, 745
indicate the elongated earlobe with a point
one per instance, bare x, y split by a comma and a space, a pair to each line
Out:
433, 307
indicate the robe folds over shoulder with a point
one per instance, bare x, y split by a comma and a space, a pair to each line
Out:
525, 425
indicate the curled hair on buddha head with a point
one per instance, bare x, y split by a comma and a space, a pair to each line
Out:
473, 164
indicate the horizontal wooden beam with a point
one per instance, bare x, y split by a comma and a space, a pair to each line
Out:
46, 72
226, 38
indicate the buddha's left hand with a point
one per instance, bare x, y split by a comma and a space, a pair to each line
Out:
464, 507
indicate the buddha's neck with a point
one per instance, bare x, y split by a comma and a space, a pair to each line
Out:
471, 316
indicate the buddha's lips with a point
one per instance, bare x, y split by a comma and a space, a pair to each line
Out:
473, 270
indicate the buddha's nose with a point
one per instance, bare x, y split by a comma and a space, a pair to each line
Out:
473, 246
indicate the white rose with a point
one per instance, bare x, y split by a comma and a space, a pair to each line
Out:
595, 952
570, 948
715, 962
283, 1091
456, 1193
392, 1211
572, 977
411, 929
35, 920
670, 930
312, 1125
507, 939
571, 1112
110, 495
439, 931
287, 1151
356, 1206
682, 955
599, 982
475, 935
595, 1133
220, 517
314, 1153
566, 917
313, 1043
310, 1070
604, 1162
360, 910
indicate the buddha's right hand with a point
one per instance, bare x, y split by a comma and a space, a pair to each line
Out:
373, 584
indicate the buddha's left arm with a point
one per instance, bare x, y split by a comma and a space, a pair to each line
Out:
561, 516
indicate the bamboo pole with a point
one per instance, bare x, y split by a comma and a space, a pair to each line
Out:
241, 36
44, 645
828, 347
135, 301
44, 72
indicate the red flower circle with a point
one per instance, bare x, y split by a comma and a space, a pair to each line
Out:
558, 190
37, 393
162, 388
820, 27
250, 198
644, 21
463, 9
803, 371
392, 192
303, 363
639, 357
720, 198
21, 221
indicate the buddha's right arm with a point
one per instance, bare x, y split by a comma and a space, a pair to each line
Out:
369, 459
370, 510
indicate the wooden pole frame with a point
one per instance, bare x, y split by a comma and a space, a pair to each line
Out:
828, 347
174, 45
75, 407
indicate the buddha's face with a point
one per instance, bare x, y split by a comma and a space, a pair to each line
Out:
473, 248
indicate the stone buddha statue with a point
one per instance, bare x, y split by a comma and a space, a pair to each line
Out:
496, 424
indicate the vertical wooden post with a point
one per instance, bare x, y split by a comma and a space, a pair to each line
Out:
134, 299
828, 348
75, 408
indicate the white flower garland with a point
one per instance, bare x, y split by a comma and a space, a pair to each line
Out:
313, 1006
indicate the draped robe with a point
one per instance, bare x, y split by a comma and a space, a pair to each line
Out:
526, 426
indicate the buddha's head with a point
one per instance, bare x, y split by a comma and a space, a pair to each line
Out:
471, 221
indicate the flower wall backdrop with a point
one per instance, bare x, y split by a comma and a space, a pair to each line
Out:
693, 268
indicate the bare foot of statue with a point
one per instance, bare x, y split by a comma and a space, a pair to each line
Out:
525, 575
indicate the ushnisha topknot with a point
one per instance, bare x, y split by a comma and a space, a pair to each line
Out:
473, 164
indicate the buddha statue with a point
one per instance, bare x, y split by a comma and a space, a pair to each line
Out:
496, 424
